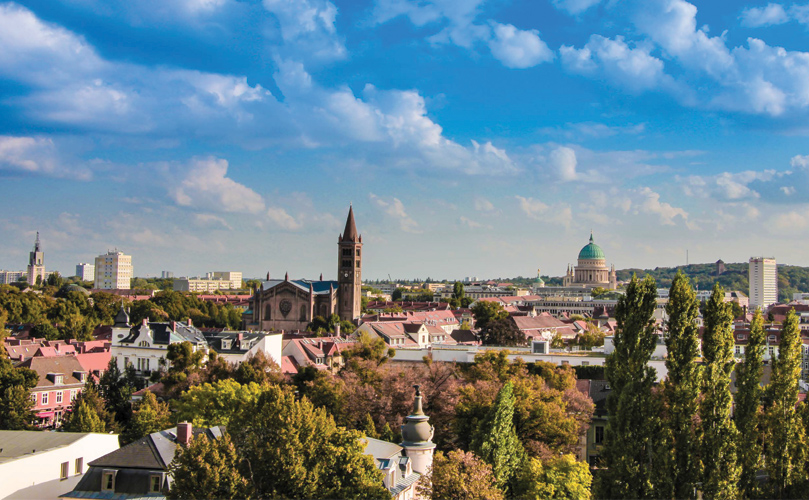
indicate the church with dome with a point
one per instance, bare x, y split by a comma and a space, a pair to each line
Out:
591, 270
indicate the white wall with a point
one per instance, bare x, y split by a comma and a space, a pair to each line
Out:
45, 467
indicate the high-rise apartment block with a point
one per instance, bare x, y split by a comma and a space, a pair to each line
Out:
36, 264
87, 272
763, 277
113, 271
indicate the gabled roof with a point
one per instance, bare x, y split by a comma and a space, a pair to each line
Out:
318, 287
66, 365
94, 361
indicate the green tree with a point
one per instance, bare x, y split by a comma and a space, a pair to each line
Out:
90, 397
502, 332
83, 419
632, 444
562, 478
681, 388
720, 475
459, 475
293, 450
458, 290
15, 396
150, 416
116, 389
486, 311
496, 440
748, 407
184, 361
207, 469
219, 403
785, 437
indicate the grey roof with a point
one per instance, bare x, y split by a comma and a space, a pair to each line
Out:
381, 449
404, 483
162, 333
318, 287
20, 444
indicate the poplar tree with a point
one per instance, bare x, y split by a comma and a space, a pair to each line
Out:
681, 388
748, 407
785, 436
720, 475
632, 445
496, 441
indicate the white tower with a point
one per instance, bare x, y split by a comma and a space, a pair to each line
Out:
417, 437
763, 277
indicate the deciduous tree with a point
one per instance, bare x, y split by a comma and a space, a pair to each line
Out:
748, 407
15, 396
207, 469
720, 475
681, 388
459, 475
785, 439
219, 403
632, 444
556, 478
150, 416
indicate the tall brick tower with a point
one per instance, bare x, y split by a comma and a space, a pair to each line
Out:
349, 270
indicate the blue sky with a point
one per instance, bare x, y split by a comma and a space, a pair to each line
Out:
474, 138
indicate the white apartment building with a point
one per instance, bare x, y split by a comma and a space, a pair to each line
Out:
87, 272
217, 280
763, 277
8, 277
113, 271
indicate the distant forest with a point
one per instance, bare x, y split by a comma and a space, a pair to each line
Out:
703, 276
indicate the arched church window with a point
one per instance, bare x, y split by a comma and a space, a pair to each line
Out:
303, 313
323, 310
268, 312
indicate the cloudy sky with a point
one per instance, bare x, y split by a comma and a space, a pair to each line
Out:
473, 137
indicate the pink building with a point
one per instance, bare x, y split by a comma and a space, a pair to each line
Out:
61, 379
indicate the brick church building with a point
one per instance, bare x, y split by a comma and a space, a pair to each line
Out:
292, 304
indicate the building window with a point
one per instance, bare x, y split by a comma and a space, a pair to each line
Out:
738, 349
143, 343
79, 465
108, 481
64, 470
346, 263
347, 252
358, 252
154, 484
34, 398
58, 397
45, 395
303, 313
599, 434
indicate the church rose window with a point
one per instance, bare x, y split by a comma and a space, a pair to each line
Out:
285, 307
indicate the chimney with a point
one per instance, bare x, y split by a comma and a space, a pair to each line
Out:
337, 330
184, 433
144, 321
189, 322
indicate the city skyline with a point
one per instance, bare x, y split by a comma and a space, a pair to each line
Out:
473, 138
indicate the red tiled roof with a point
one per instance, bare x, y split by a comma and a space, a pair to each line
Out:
95, 361
288, 365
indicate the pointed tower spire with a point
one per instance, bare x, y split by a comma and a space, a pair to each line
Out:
268, 276
286, 276
350, 232
321, 276
591, 236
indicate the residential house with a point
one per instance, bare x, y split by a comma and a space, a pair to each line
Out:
36, 464
139, 469
61, 379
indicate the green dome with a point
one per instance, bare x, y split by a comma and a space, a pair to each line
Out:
591, 251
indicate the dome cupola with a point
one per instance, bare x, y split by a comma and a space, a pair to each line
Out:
416, 430
591, 251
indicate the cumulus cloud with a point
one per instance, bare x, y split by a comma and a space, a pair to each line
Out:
307, 28
788, 222
483, 205
394, 208
517, 48
648, 201
211, 220
563, 162
514, 47
770, 15
633, 68
282, 219
206, 185
24, 155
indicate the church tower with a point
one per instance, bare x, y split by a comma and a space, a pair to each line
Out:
36, 264
349, 270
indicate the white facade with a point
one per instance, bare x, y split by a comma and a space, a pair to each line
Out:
87, 272
271, 345
113, 271
763, 277
218, 280
8, 277
50, 463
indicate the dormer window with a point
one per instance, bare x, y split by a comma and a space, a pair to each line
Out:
225, 344
108, 480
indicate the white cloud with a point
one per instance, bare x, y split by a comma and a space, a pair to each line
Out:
307, 28
517, 48
211, 220
560, 214
592, 130
206, 185
533, 208
483, 205
788, 222
282, 219
36, 156
457, 19
633, 68
465, 221
575, 7
394, 208
800, 161
648, 201
770, 15
563, 162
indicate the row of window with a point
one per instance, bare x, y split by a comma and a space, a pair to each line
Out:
78, 468
45, 396
108, 481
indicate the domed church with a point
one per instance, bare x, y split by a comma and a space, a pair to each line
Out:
592, 270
